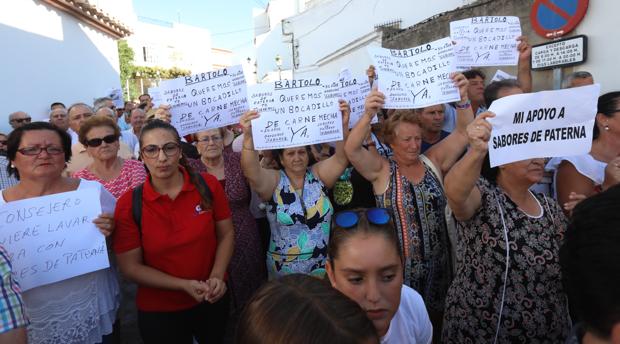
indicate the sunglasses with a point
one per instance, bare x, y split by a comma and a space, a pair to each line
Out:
3, 142
98, 141
349, 218
22, 120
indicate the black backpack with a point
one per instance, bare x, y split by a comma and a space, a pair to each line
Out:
136, 205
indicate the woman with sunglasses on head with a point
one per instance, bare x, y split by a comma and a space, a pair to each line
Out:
100, 135
178, 246
365, 264
298, 209
80, 309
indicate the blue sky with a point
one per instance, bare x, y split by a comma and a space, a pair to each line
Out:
230, 21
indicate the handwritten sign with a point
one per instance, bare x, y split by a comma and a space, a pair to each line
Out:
543, 124
501, 75
295, 113
206, 100
52, 238
354, 90
156, 98
486, 41
416, 77
117, 97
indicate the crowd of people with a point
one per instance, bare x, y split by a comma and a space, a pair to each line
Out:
399, 233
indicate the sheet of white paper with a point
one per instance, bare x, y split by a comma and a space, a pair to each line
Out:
486, 41
117, 97
295, 113
355, 90
543, 124
52, 238
155, 96
416, 77
501, 75
206, 100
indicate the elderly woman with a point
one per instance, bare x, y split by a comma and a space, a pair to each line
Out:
507, 287
100, 135
81, 309
585, 174
246, 270
410, 184
298, 210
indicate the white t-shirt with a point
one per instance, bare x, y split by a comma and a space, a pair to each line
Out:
130, 140
411, 323
584, 164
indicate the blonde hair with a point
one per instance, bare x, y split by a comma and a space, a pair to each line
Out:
399, 116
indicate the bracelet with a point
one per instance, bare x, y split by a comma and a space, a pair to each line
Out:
463, 106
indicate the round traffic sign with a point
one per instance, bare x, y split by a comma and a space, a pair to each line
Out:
555, 18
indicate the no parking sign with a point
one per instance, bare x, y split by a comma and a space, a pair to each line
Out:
555, 18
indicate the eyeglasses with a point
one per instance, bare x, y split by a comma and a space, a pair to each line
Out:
32, 151
22, 120
170, 149
207, 139
98, 141
348, 218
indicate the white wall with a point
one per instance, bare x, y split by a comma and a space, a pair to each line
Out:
603, 43
323, 31
176, 45
50, 56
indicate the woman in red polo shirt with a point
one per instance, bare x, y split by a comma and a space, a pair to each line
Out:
179, 254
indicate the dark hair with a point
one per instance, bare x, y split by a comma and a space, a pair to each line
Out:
607, 105
492, 90
15, 138
590, 261
278, 153
205, 199
472, 73
95, 122
339, 236
302, 309
57, 104
144, 94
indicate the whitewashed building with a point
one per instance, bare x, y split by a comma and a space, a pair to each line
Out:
57, 50
164, 44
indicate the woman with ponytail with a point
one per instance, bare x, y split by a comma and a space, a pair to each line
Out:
177, 248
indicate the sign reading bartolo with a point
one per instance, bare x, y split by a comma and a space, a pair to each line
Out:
560, 53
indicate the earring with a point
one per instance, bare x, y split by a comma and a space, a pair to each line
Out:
606, 128
12, 166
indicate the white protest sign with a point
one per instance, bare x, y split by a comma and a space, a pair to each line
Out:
486, 41
501, 75
156, 97
416, 77
295, 113
354, 90
206, 100
543, 124
117, 97
52, 238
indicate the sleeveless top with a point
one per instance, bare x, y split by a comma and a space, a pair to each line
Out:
80, 309
584, 164
300, 224
418, 214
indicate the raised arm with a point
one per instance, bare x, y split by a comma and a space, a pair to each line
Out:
524, 70
262, 181
445, 153
367, 162
460, 183
330, 169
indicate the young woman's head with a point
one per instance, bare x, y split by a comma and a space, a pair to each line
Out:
365, 263
303, 310
160, 149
